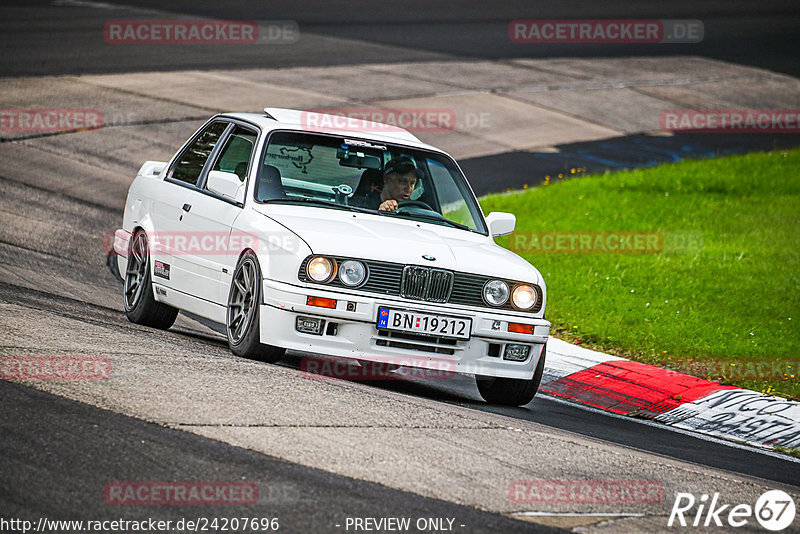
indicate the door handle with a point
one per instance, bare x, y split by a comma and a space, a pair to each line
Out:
187, 207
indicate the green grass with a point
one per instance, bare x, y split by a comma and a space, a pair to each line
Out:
733, 295
791, 451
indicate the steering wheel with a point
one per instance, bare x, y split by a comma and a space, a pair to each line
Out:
413, 204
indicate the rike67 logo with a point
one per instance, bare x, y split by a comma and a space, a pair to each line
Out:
774, 510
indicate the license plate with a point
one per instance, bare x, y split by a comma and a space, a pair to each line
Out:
424, 323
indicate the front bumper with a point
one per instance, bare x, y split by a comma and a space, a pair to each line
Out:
352, 333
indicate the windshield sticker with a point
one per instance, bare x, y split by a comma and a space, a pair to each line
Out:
300, 157
365, 144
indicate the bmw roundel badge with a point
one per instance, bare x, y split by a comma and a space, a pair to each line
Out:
428, 257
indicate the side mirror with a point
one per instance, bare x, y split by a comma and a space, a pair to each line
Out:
226, 184
501, 223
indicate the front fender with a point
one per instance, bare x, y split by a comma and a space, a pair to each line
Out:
279, 250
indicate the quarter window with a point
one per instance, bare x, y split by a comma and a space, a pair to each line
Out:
191, 161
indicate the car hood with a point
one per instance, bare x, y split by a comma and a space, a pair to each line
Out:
376, 237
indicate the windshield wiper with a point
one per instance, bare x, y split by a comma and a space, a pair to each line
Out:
318, 202
437, 218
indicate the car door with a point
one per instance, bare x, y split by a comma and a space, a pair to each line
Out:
208, 220
171, 200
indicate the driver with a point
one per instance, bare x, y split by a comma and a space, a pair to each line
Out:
399, 180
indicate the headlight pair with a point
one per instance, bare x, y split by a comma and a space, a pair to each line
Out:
496, 293
322, 270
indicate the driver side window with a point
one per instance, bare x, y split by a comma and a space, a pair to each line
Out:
236, 154
450, 196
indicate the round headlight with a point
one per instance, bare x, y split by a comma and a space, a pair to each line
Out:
523, 297
495, 293
320, 269
352, 273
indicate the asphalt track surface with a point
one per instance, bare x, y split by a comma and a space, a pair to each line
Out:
79, 449
760, 33
57, 453
556, 413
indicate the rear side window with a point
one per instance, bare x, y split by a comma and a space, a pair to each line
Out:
191, 161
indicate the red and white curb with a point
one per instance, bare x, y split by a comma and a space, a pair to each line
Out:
636, 389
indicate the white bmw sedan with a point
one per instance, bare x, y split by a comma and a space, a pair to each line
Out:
362, 243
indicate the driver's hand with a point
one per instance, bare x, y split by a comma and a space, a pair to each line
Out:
388, 205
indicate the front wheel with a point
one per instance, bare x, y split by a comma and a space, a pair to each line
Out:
511, 391
140, 305
242, 322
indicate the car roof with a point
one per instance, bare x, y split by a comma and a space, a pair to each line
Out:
315, 122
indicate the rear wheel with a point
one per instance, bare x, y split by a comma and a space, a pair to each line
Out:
511, 391
140, 305
242, 321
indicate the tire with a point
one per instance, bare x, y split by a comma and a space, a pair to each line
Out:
511, 391
137, 294
242, 324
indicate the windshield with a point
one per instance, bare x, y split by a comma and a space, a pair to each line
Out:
343, 173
